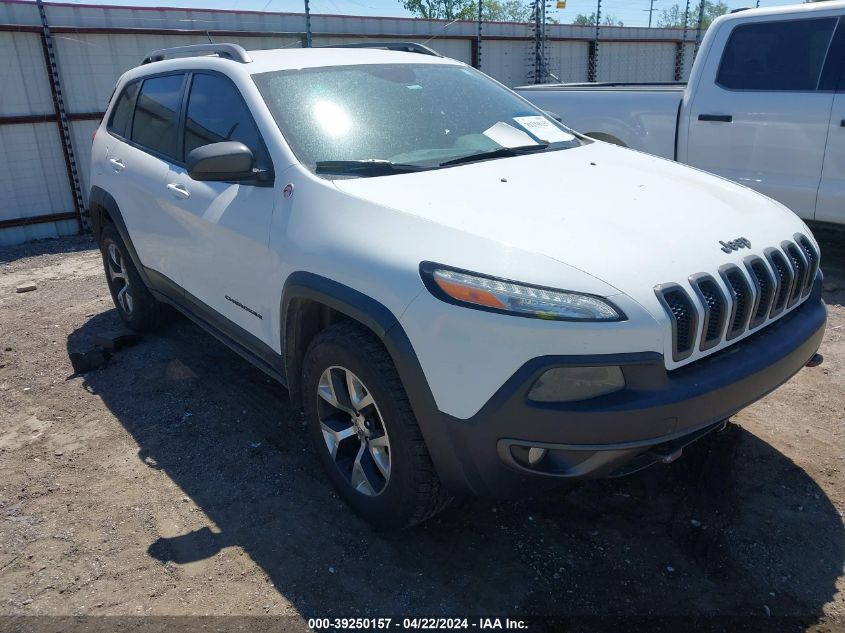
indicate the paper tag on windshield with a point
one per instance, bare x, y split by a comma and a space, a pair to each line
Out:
508, 136
543, 129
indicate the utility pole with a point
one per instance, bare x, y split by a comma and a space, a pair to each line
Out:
593, 71
537, 18
47, 44
698, 29
307, 24
684, 42
479, 33
650, 11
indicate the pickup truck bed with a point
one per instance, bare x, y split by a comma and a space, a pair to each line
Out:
764, 107
678, 86
607, 112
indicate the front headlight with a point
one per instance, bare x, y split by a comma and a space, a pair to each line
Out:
500, 295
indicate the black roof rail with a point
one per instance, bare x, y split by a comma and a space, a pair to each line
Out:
235, 52
405, 47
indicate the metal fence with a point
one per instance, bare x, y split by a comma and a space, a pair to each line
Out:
59, 69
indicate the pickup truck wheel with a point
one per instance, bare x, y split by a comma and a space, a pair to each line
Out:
135, 304
364, 430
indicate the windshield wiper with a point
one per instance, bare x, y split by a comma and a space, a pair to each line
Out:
501, 152
366, 167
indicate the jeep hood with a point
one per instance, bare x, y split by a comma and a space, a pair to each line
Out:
627, 218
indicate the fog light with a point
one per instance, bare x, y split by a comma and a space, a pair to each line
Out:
570, 384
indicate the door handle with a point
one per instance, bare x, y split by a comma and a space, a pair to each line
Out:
178, 190
117, 164
721, 118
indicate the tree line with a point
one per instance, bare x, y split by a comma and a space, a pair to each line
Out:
520, 11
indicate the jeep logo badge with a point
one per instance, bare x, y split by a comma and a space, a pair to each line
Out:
735, 245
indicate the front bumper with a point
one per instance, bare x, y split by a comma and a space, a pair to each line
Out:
657, 413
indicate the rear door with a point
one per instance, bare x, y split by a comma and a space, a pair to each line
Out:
228, 263
141, 162
112, 168
760, 113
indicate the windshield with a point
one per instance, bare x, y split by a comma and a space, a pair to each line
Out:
377, 119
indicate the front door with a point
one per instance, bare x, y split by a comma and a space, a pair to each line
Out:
763, 122
228, 263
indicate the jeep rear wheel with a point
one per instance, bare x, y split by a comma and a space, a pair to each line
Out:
135, 304
364, 430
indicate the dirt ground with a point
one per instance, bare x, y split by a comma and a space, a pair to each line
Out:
178, 479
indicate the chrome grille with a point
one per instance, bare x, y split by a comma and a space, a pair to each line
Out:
764, 290
683, 316
741, 300
715, 309
749, 296
812, 260
784, 278
798, 261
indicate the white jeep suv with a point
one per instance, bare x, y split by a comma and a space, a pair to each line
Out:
464, 295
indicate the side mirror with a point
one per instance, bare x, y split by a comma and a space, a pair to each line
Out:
229, 160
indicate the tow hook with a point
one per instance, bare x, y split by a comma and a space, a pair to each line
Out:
815, 361
666, 456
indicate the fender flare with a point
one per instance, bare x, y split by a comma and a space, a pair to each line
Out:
383, 323
102, 204
303, 285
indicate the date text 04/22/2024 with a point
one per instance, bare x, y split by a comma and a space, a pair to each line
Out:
407, 624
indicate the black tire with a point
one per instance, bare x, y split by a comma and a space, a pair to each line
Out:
142, 312
412, 493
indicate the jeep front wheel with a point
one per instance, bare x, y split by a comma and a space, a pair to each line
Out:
364, 430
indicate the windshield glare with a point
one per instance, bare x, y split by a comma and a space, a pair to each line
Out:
409, 114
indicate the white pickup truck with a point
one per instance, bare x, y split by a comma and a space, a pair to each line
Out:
764, 106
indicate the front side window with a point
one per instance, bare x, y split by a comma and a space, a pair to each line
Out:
157, 114
216, 113
776, 56
121, 116
404, 115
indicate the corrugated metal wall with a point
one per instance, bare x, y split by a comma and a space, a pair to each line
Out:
636, 61
94, 45
33, 177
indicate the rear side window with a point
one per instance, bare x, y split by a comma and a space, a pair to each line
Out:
157, 114
121, 116
216, 113
776, 56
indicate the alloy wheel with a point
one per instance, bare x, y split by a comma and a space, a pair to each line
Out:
353, 430
119, 278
